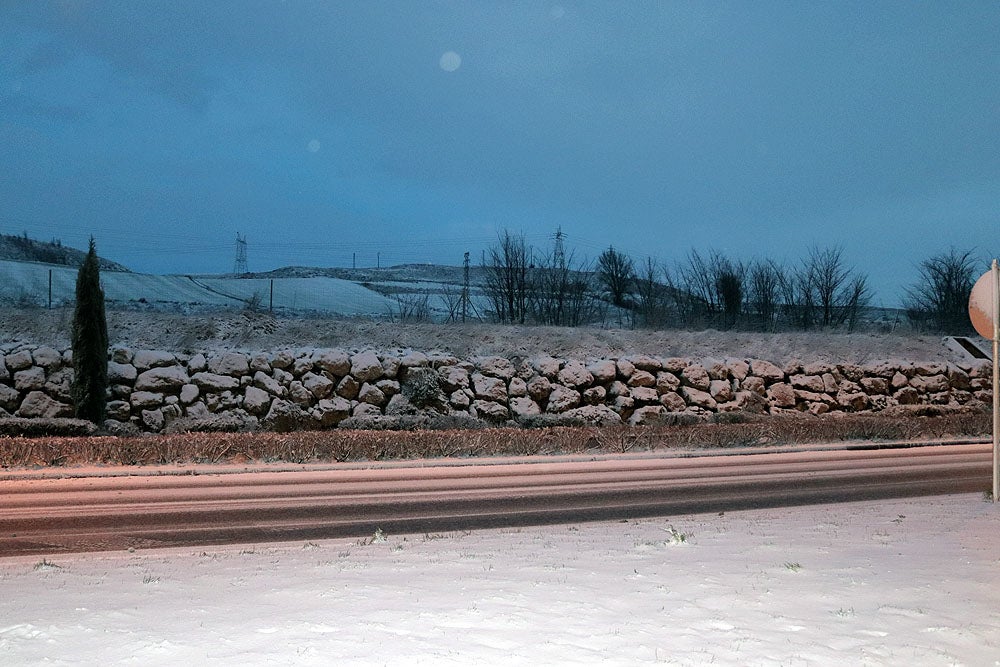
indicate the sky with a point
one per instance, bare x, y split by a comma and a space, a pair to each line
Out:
340, 133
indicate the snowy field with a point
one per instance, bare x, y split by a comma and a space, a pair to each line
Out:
30, 281
904, 582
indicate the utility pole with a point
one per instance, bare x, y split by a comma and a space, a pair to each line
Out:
465, 287
240, 265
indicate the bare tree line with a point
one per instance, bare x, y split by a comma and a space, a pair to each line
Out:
710, 290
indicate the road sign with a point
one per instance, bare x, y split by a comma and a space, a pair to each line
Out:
982, 303
984, 311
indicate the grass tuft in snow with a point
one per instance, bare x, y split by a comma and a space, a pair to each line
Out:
793, 567
676, 536
46, 565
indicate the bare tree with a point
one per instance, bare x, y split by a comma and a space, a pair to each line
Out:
855, 298
653, 294
824, 291
412, 307
698, 280
560, 293
826, 268
715, 286
764, 293
798, 297
507, 278
730, 277
616, 272
940, 297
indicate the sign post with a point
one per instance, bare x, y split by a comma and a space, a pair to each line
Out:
984, 311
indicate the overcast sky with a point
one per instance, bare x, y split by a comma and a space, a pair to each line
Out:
418, 130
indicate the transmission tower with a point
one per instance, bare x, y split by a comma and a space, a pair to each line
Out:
560, 252
240, 266
465, 287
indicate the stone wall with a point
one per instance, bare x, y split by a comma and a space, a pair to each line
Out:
150, 390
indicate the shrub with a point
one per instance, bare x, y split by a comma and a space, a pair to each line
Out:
90, 342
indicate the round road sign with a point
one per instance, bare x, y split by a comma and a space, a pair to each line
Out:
981, 305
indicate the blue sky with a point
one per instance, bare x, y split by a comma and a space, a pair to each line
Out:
415, 131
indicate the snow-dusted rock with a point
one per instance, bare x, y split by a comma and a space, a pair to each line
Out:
234, 364
562, 399
335, 361
121, 373
366, 367
256, 401
30, 379
162, 378
146, 359
47, 358
38, 404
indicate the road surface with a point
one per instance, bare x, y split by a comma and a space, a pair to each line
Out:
92, 511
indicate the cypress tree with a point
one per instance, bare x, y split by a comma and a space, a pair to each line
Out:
90, 342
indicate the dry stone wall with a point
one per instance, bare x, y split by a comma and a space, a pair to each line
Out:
154, 390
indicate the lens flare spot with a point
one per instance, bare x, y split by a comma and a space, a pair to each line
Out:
313, 146
450, 61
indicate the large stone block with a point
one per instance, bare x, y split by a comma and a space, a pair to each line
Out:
808, 382
562, 399
19, 361
546, 366
47, 358
215, 382
781, 395
121, 373
30, 379
145, 399
38, 404
335, 362
9, 397
256, 401
697, 377
522, 406
146, 359
766, 370
366, 367
574, 374
490, 411
318, 385
699, 398
603, 371
489, 388
162, 378
498, 367
234, 364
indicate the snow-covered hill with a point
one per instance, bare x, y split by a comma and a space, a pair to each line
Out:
27, 283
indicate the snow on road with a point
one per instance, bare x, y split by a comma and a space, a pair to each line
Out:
902, 582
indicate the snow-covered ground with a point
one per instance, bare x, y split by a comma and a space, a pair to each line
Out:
904, 582
28, 282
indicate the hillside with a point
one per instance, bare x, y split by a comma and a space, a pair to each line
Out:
24, 249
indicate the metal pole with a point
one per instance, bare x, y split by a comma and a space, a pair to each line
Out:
50, 289
996, 381
270, 306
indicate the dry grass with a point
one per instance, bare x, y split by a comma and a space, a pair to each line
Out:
347, 445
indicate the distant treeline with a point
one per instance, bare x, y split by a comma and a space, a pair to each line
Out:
712, 290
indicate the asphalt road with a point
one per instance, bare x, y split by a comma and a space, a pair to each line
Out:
99, 510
